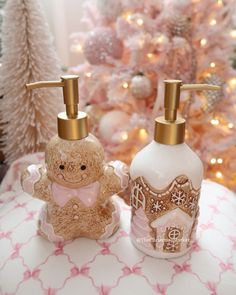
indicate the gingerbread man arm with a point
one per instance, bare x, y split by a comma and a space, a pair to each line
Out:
35, 182
115, 178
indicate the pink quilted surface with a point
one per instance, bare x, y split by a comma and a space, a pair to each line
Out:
31, 265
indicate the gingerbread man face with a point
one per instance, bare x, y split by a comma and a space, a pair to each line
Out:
74, 163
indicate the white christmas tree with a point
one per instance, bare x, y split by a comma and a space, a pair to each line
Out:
28, 117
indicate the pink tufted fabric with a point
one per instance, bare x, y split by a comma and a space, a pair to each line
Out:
29, 264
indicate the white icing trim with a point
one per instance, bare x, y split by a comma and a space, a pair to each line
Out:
119, 171
33, 177
115, 221
47, 228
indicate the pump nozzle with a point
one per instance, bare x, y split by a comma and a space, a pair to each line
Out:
172, 95
199, 87
170, 129
70, 92
72, 125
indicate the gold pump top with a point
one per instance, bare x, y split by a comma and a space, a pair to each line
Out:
170, 129
72, 124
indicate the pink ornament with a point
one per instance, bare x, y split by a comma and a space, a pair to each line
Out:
113, 126
141, 87
102, 44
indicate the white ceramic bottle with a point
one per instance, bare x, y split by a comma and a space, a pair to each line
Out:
166, 179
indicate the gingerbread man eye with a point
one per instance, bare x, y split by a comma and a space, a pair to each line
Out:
62, 167
83, 167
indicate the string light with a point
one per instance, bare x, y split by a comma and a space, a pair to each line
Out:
88, 74
79, 48
213, 22
203, 42
125, 85
215, 121
213, 161
186, 134
212, 65
149, 55
233, 33
230, 125
127, 16
219, 161
143, 134
140, 21
220, 2
160, 39
232, 82
76, 48
219, 174
124, 136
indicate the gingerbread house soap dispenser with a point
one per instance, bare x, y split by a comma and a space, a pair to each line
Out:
75, 182
166, 180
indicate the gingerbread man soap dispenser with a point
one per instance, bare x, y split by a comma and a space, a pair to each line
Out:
166, 179
75, 183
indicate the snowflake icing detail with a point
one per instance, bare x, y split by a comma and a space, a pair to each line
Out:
172, 246
192, 205
178, 197
157, 206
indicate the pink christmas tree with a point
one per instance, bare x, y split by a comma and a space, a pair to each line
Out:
132, 47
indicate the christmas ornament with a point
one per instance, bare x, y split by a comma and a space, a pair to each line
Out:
101, 44
113, 126
179, 25
212, 97
141, 86
109, 9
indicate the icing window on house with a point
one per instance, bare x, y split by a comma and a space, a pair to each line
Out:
137, 197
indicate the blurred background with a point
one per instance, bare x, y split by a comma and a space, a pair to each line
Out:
122, 50
64, 19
